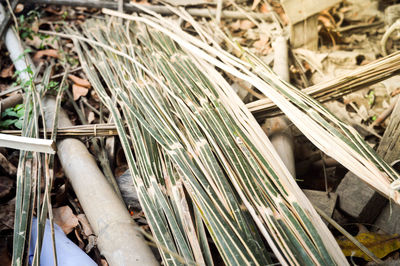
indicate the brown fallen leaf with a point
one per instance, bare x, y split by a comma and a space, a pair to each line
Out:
39, 43
264, 8
235, 25
79, 91
49, 52
7, 166
87, 229
90, 117
54, 10
79, 81
379, 244
19, 8
246, 24
65, 218
7, 72
6, 184
94, 96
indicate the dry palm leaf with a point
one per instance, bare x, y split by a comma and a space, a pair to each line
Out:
199, 160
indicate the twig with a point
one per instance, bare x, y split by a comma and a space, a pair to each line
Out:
389, 31
219, 10
163, 10
358, 26
385, 114
96, 130
348, 236
10, 101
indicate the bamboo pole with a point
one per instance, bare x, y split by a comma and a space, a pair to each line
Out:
117, 234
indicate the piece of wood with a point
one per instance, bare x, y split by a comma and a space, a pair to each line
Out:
325, 201
305, 34
299, 10
27, 144
359, 200
303, 19
389, 148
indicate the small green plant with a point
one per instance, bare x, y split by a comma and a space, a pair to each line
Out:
13, 116
25, 24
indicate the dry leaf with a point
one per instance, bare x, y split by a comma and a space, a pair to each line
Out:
65, 218
246, 24
90, 117
379, 244
48, 52
79, 91
7, 72
262, 45
38, 43
235, 25
19, 8
94, 96
264, 8
87, 229
54, 11
79, 81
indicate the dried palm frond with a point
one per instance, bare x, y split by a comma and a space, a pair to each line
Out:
199, 160
362, 77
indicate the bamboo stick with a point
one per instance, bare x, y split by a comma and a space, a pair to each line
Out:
360, 78
27, 144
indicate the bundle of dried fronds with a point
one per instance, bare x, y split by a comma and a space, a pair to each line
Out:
362, 77
200, 162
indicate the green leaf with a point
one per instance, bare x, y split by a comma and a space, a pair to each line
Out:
7, 123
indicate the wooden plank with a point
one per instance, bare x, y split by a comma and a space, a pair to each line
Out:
389, 148
305, 34
299, 10
27, 144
